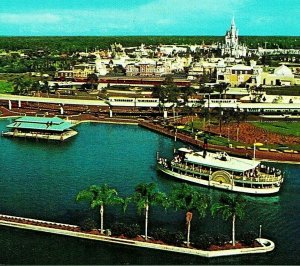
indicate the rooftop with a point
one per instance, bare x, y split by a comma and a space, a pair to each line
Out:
230, 164
54, 124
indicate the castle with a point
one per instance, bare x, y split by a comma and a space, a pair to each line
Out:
231, 47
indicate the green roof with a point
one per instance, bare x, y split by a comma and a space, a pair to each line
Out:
40, 120
41, 123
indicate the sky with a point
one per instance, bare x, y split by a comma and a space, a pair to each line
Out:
148, 17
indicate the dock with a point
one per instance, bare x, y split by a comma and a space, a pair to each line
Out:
47, 128
28, 135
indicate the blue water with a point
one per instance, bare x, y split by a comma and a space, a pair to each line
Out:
41, 179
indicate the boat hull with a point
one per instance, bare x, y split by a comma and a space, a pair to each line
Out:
223, 186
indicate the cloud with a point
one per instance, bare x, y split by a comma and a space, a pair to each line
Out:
29, 18
156, 17
150, 17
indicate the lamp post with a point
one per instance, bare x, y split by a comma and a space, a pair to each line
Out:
220, 123
254, 147
260, 231
228, 132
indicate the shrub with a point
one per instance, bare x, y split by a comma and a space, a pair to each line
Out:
88, 224
203, 241
132, 230
172, 238
118, 229
160, 234
221, 239
249, 238
177, 238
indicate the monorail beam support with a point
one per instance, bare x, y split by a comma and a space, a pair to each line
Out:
165, 114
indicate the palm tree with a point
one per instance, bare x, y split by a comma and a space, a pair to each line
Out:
206, 89
18, 85
221, 87
187, 198
144, 196
92, 79
230, 207
100, 196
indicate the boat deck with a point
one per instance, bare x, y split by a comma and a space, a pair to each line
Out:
61, 137
261, 178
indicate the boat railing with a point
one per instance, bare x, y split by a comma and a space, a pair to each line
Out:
260, 177
195, 169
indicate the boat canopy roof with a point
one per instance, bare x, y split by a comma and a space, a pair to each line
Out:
186, 150
41, 123
221, 161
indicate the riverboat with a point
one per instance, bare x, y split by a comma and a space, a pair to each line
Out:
219, 170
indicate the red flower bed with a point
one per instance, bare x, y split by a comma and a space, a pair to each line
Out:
238, 245
249, 133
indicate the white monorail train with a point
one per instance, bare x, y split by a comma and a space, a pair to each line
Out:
253, 107
147, 102
258, 108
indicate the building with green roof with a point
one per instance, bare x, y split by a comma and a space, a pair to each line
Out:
53, 128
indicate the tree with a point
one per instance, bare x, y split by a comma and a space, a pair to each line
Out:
169, 90
144, 196
19, 85
188, 93
206, 89
46, 87
222, 87
189, 199
100, 196
92, 80
230, 207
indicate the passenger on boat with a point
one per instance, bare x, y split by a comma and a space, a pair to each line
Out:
278, 172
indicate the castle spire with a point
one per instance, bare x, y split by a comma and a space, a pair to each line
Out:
232, 22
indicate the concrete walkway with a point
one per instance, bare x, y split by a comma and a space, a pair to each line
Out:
74, 231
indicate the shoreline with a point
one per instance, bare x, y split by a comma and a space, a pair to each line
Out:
78, 122
260, 155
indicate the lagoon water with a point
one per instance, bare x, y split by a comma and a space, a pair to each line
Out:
41, 179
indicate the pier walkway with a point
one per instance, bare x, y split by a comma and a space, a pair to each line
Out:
75, 231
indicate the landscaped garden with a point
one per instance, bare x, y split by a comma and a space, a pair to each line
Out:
283, 135
181, 197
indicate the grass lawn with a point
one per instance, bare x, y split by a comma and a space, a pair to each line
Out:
217, 140
6, 87
293, 90
284, 128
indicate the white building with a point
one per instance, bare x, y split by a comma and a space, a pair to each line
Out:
231, 46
